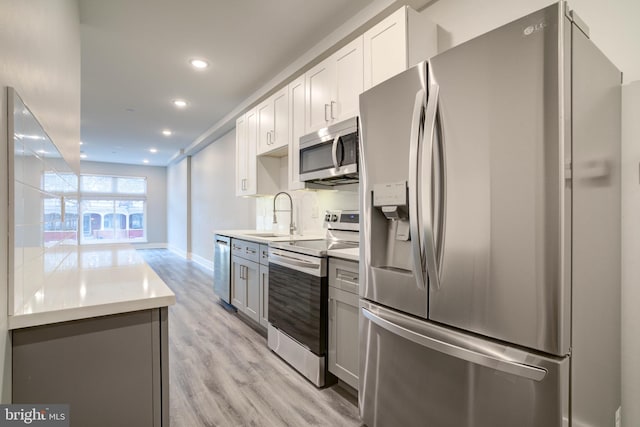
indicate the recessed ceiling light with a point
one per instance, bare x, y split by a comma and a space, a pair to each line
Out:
83, 156
81, 142
145, 161
199, 63
153, 150
180, 103
166, 132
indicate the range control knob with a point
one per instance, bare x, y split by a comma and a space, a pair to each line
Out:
334, 217
327, 217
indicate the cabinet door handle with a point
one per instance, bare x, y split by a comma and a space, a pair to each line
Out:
333, 102
326, 116
249, 250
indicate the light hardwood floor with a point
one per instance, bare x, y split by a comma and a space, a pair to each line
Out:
221, 371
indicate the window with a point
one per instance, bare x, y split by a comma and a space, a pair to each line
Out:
113, 209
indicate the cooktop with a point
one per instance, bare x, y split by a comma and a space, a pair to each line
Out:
313, 247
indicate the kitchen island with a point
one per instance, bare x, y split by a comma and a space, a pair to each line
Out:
93, 334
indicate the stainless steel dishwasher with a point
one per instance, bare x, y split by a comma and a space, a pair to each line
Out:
222, 268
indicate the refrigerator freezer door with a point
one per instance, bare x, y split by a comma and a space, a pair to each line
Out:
413, 372
501, 271
392, 115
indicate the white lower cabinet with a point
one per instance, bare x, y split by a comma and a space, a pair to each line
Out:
250, 279
343, 321
245, 272
245, 290
238, 285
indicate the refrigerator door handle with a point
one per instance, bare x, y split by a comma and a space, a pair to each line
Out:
492, 361
334, 152
427, 186
417, 244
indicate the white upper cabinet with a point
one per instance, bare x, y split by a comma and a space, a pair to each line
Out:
319, 83
398, 42
241, 156
349, 81
250, 153
297, 109
254, 175
333, 87
273, 129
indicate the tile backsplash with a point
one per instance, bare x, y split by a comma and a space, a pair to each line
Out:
309, 207
45, 208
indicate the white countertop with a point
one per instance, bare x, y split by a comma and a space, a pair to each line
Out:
92, 281
266, 236
349, 254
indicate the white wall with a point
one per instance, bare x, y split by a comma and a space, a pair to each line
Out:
630, 254
40, 45
613, 24
213, 200
156, 194
179, 207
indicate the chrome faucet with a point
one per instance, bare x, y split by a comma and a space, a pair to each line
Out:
292, 226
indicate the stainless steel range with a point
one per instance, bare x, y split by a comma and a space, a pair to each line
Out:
298, 296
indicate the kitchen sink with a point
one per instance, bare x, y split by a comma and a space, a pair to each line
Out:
265, 235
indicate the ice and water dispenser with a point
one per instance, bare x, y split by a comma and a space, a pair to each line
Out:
391, 239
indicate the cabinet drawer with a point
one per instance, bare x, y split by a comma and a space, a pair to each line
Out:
344, 275
264, 254
245, 249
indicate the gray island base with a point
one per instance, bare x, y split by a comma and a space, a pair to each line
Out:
112, 370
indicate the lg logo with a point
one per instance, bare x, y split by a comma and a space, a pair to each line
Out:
534, 28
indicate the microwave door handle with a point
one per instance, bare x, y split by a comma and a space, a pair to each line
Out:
334, 151
414, 226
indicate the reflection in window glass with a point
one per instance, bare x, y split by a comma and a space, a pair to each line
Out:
135, 221
56, 228
131, 185
115, 220
96, 184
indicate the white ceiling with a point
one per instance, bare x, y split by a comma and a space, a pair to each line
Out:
135, 57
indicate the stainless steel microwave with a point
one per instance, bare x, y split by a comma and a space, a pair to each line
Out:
330, 155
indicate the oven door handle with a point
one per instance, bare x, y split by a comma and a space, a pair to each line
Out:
292, 261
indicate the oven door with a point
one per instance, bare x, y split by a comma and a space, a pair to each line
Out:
298, 295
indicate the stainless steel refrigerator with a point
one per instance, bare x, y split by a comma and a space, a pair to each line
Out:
490, 200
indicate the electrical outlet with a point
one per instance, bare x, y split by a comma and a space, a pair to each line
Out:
618, 421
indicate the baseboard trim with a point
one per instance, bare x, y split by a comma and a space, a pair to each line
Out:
178, 251
202, 261
150, 245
